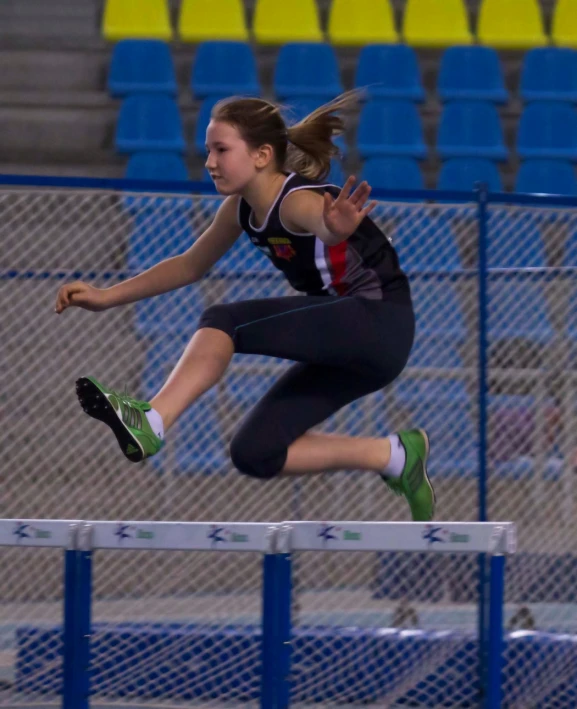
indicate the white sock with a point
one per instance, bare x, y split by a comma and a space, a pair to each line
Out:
398, 458
155, 421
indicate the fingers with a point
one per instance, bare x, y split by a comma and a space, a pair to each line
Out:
369, 208
360, 195
346, 190
63, 299
328, 202
60, 301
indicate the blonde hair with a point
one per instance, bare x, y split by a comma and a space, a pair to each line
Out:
306, 147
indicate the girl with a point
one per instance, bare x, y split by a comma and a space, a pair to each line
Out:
350, 335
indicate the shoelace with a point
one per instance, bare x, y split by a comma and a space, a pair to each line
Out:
130, 406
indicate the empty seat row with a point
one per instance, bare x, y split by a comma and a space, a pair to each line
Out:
304, 70
467, 129
460, 174
463, 174
501, 23
547, 130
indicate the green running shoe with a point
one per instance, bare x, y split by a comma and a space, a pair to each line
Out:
125, 416
414, 483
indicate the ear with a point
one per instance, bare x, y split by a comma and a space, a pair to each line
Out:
263, 155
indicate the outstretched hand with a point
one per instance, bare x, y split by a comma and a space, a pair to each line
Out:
343, 215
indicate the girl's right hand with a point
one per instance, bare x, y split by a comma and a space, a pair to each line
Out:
81, 295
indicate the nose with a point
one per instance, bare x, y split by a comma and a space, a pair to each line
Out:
209, 164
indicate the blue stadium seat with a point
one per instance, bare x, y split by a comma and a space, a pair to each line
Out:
141, 66
464, 173
159, 233
200, 446
161, 357
438, 311
202, 121
440, 324
517, 309
549, 74
390, 128
173, 314
548, 130
305, 69
149, 123
241, 258
224, 69
436, 351
299, 107
336, 175
571, 320
390, 71
426, 244
393, 173
471, 129
570, 255
471, 73
244, 389
156, 166
546, 177
444, 408
514, 240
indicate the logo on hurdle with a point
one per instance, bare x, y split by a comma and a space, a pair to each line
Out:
438, 535
23, 530
130, 531
221, 534
328, 532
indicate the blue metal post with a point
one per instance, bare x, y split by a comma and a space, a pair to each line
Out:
268, 632
276, 631
482, 196
83, 619
69, 630
495, 645
283, 606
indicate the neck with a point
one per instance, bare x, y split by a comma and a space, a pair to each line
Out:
261, 194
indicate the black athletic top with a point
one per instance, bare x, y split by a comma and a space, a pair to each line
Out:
365, 264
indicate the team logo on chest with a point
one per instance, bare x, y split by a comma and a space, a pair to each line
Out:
282, 247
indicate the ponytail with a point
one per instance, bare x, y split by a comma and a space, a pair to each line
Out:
311, 146
305, 147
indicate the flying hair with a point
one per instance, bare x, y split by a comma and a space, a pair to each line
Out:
306, 147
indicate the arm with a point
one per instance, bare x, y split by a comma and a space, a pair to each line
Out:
186, 268
331, 220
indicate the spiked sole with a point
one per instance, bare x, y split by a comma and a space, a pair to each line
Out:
95, 404
427, 479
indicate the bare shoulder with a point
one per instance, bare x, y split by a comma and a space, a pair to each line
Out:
297, 206
228, 211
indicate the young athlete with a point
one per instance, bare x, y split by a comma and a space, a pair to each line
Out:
350, 334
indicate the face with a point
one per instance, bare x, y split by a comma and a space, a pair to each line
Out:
230, 162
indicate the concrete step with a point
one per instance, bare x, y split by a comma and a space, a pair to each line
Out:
45, 70
57, 18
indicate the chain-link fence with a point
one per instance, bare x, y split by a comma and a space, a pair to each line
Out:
58, 463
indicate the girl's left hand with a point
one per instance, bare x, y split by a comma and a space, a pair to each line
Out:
343, 215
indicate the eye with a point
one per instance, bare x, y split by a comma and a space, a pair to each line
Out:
222, 150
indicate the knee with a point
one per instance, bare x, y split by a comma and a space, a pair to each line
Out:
218, 317
251, 456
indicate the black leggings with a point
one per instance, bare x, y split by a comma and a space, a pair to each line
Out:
346, 348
